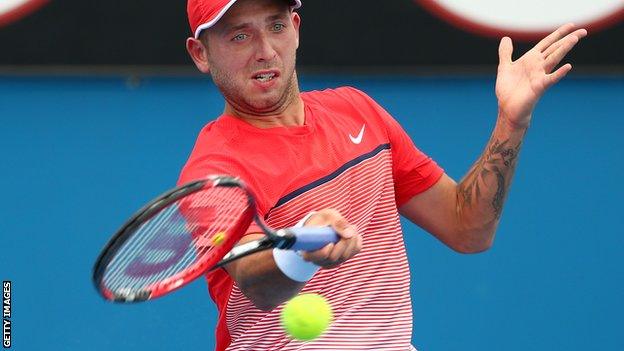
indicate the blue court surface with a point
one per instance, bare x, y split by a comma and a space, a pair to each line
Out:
79, 155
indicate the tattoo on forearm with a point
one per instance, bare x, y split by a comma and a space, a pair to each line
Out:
499, 161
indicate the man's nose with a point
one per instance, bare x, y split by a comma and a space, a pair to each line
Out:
265, 50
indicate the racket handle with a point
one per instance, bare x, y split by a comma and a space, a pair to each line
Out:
313, 238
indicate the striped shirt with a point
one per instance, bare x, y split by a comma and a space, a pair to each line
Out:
352, 156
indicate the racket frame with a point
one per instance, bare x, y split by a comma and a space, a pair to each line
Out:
281, 239
147, 212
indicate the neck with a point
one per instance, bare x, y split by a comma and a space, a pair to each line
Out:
292, 115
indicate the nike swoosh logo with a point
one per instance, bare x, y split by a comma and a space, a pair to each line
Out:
358, 139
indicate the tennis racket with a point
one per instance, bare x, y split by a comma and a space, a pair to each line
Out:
184, 233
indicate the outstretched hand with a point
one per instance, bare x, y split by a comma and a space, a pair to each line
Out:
521, 83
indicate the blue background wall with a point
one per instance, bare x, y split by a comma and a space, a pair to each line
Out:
79, 155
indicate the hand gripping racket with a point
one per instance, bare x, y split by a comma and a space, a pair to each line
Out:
184, 233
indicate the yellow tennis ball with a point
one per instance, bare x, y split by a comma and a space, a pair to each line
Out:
306, 316
218, 238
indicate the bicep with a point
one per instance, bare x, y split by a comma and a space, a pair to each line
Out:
435, 210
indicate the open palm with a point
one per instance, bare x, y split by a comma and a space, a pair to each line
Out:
521, 83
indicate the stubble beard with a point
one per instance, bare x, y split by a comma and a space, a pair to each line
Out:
234, 96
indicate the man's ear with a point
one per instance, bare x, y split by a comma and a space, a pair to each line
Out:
199, 53
296, 20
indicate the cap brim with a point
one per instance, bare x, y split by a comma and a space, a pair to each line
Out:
295, 4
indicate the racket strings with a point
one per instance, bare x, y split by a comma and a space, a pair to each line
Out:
174, 239
218, 222
169, 221
137, 246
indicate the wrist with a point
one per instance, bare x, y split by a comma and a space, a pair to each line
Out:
305, 218
514, 124
291, 264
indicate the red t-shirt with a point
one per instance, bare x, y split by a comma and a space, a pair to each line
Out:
350, 155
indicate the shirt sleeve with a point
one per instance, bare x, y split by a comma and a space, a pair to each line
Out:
413, 171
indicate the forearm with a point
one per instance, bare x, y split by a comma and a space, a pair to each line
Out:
269, 278
262, 281
464, 216
482, 192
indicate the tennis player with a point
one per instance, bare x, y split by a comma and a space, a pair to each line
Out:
336, 157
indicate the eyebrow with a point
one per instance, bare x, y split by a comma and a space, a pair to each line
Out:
277, 16
269, 19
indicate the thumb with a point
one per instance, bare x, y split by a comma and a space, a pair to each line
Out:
505, 50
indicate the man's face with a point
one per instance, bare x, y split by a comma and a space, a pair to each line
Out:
251, 53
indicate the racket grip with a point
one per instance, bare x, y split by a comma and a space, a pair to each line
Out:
313, 238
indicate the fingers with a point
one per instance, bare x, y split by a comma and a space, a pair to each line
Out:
556, 52
334, 219
334, 254
579, 33
556, 76
553, 59
342, 251
319, 257
553, 48
554, 36
505, 51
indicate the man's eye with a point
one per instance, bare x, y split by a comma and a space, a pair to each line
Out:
239, 37
278, 27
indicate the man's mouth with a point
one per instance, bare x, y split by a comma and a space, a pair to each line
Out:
265, 76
